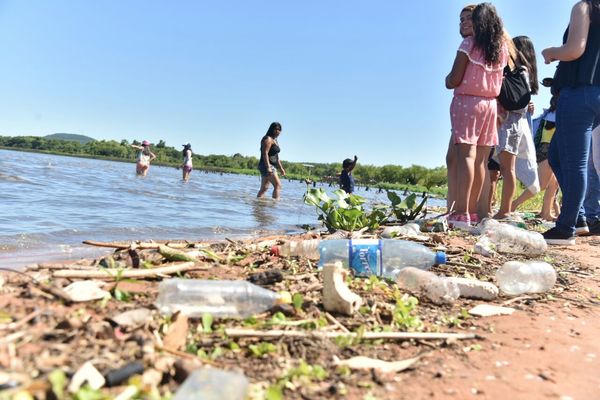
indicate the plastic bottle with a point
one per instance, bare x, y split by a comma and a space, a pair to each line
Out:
516, 277
435, 288
514, 240
299, 248
378, 257
213, 384
194, 297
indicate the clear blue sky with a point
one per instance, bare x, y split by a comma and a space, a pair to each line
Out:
343, 77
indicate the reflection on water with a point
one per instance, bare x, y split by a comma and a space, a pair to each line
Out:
262, 211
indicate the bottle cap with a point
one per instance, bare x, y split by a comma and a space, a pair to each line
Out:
440, 258
276, 250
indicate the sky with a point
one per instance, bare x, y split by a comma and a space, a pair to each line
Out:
343, 77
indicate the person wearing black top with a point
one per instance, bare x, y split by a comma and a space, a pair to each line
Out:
577, 79
269, 161
346, 178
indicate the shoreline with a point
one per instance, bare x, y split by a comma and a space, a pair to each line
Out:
534, 338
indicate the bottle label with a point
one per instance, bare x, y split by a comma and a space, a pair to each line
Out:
364, 256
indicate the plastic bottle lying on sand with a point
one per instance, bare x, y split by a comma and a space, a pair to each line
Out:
378, 257
299, 248
213, 384
517, 277
223, 298
511, 239
436, 288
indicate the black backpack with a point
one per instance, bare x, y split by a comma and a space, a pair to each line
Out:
515, 93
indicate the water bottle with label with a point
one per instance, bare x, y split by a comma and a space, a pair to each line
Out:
378, 257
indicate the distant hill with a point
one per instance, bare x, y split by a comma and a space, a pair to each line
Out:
70, 137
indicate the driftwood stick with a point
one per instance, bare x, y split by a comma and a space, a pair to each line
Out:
337, 323
113, 274
16, 325
275, 333
113, 245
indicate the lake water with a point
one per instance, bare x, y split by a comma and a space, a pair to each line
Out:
49, 204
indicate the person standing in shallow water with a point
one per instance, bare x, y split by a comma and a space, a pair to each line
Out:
346, 178
269, 161
144, 158
187, 165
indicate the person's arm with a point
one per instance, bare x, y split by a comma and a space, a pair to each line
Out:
266, 146
579, 27
455, 76
135, 146
152, 156
281, 167
353, 164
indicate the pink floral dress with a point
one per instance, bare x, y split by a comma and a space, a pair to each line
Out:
473, 110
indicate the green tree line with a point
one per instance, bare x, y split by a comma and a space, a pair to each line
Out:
415, 177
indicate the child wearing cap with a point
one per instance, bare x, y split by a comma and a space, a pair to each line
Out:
186, 167
346, 178
144, 157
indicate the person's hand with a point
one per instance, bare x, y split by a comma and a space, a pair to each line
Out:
531, 107
282, 171
355, 159
546, 53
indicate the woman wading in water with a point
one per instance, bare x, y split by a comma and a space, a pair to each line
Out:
144, 158
269, 161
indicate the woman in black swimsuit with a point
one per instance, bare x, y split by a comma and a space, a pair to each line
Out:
269, 161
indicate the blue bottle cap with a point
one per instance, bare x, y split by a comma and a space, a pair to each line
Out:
440, 258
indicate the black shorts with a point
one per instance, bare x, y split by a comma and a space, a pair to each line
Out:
541, 152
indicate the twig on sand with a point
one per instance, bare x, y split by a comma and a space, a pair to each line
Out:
275, 333
115, 273
337, 323
137, 245
16, 325
46, 288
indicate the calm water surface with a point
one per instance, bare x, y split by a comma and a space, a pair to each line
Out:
50, 204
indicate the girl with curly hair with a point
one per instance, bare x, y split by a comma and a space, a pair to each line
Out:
476, 78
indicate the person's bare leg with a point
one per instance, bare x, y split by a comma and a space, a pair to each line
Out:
274, 178
479, 173
485, 199
507, 170
264, 185
466, 173
550, 207
451, 160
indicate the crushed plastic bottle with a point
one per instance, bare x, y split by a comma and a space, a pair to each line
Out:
516, 277
438, 289
213, 384
194, 297
298, 248
513, 240
410, 230
378, 257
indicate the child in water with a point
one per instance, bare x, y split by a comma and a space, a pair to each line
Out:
346, 178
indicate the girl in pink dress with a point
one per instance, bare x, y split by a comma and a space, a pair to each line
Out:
476, 78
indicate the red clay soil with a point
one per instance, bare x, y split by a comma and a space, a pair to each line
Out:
548, 351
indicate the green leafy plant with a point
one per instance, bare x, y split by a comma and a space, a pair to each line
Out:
261, 349
407, 209
346, 212
403, 314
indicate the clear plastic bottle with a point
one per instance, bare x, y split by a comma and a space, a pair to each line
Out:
194, 297
514, 240
298, 248
213, 384
436, 288
517, 277
379, 257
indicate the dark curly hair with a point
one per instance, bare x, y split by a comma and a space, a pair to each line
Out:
526, 57
488, 31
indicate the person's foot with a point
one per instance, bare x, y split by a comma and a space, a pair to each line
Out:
556, 237
594, 228
581, 228
459, 221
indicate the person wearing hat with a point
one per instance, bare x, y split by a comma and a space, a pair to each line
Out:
186, 167
144, 158
346, 178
